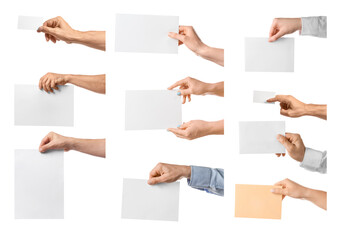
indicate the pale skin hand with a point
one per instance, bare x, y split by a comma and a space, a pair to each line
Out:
198, 128
167, 173
57, 29
96, 83
52, 141
190, 38
292, 107
294, 190
283, 26
189, 86
294, 146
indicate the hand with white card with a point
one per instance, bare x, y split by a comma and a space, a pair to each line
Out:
292, 107
50, 82
95, 147
283, 26
189, 86
198, 128
57, 29
168, 173
295, 190
294, 146
190, 38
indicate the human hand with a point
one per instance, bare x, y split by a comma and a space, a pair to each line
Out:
168, 173
193, 129
290, 106
189, 37
294, 146
50, 81
290, 188
56, 29
282, 26
55, 141
190, 86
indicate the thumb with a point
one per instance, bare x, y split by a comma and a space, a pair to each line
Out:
45, 147
285, 112
284, 141
47, 30
280, 191
176, 36
276, 36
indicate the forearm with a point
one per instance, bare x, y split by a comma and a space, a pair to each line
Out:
215, 55
95, 147
93, 39
317, 197
95, 83
316, 110
216, 128
215, 89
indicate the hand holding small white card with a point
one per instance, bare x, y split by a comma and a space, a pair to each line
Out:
264, 56
145, 33
262, 97
29, 23
152, 109
261, 137
150, 202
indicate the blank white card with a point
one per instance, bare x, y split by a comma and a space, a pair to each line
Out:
39, 184
152, 109
35, 107
145, 33
156, 202
261, 137
29, 23
264, 56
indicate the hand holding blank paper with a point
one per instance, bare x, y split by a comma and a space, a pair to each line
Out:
168, 173
294, 190
292, 107
57, 29
294, 146
283, 26
190, 38
198, 128
188, 86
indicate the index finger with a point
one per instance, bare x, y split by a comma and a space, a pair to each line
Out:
277, 98
177, 131
51, 22
45, 140
177, 84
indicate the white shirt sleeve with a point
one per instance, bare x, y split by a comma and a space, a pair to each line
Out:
314, 26
315, 160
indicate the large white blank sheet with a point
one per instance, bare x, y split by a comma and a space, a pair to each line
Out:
262, 96
264, 56
36, 107
29, 23
152, 109
156, 202
39, 184
261, 137
145, 33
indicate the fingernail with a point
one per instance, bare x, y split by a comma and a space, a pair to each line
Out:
178, 126
178, 93
278, 136
272, 190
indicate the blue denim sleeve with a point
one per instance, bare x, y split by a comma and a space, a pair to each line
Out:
207, 179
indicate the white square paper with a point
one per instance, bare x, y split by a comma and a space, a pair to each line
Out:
152, 109
156, 202
39, 184
261, 137
35, 107
30, 23
262, 96
145, 33
264, 56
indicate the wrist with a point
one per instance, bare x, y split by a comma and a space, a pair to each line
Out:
306, 193
70, 143
186, 172
67, 78
76, 37
299, 24
202, 50
215, 128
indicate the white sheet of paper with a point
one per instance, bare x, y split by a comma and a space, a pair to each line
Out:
261, 137
152, 109
29, 23
145, 33
264, 56
36, 107
262, 96
39, 184
156, 202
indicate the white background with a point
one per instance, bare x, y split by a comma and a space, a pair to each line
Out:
93, 186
